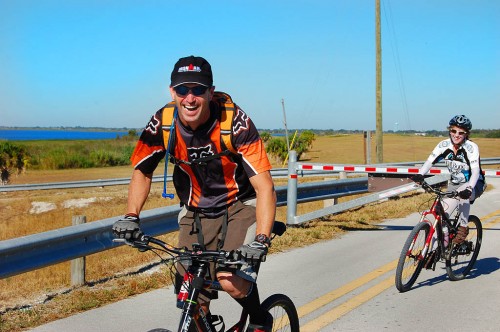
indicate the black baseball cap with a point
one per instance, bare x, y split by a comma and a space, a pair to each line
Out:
191, 69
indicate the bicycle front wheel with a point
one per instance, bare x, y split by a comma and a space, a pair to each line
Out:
411, 261
285, 317
463, 256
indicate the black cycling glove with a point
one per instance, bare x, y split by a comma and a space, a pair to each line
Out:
253, 252
127, 227
465, 194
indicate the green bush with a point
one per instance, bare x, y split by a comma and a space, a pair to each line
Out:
277, 146
13, 156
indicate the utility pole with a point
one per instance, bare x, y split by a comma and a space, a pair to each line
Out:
378, 93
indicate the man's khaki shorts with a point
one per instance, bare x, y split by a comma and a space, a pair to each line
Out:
240, 230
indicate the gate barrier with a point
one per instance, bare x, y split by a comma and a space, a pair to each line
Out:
441, 175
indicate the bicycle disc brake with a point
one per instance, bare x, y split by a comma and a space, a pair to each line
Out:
217, 322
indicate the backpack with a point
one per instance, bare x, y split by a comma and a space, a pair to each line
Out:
227, 109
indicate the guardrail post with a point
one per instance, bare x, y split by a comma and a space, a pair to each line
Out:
291, 194
78, 264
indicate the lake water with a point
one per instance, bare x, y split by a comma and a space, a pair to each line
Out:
34, 134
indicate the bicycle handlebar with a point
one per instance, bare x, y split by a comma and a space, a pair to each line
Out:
143, 243
430, 189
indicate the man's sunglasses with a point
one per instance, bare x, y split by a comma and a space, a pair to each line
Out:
461, 133
183, 90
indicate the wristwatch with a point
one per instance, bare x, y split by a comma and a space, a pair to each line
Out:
264, 239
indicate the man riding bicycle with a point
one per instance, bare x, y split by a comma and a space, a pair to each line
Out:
461, 156
224, 194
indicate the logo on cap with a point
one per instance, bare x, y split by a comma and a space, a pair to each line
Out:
189, 68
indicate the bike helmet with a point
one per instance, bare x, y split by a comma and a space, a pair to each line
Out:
461, 121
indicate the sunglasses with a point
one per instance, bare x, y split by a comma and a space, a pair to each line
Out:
183, 90
461, 133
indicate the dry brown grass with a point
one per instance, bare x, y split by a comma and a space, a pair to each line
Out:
50, 287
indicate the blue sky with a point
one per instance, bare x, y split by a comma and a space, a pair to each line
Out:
107, 63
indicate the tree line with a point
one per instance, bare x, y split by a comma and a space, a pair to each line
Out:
15, 158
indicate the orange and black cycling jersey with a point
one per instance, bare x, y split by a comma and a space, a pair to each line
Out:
218, 182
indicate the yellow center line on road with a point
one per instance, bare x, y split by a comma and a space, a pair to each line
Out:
351, 304
491, 215
339, 292
347, 306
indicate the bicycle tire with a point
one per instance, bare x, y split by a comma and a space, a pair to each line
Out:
463, 256
285, 317
411, 262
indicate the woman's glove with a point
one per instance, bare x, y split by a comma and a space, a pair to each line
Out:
466, 193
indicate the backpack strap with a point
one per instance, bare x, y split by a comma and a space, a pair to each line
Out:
168, 126
228, 109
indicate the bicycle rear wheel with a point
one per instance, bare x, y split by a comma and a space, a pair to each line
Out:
285, 317
411, 261
463, 256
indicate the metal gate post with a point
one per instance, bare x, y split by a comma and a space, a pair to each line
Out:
291, 194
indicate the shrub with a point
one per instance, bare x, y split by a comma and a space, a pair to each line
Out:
13, 156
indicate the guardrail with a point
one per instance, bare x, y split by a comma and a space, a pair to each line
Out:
276, 173
35, 251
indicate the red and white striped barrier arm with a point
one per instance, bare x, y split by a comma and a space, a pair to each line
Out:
379, 169
491, 172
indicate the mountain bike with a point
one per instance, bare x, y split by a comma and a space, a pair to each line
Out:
424, 249
193, 317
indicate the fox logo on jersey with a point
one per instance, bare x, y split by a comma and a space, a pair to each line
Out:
240, 122
197, 153
153, 125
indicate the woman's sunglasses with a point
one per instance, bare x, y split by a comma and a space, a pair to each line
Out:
461, 133
183, 90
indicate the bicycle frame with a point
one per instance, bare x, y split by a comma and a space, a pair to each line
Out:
421, 251
437, 213
192, 311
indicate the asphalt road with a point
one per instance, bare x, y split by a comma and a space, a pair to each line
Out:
346, 284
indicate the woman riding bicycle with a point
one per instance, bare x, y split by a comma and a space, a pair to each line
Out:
461, 156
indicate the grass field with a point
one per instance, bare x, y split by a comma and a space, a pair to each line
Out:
45, 294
